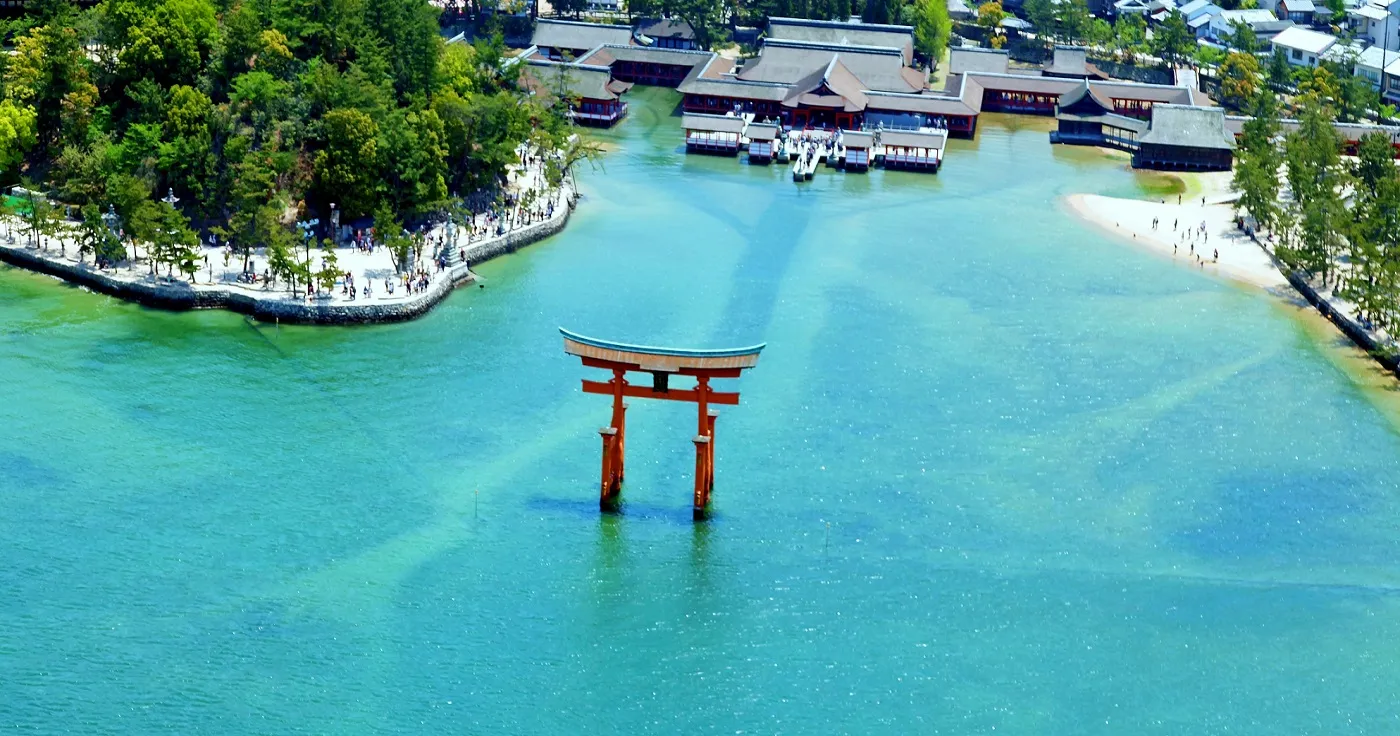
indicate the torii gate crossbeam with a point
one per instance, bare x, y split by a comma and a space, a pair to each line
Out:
661, 363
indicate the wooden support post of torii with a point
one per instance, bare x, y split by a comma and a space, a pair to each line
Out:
662, 363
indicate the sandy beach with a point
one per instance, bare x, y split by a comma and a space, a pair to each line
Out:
1131, 219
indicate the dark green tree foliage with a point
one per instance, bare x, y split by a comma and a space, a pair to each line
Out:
1374, 236
256, 112
1173, 40
1242, 38
1258, 160
1312, 155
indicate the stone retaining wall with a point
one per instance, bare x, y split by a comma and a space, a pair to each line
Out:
180, 296
1350, 327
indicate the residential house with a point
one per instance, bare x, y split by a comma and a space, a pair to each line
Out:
1303, 47
1262, 22
1377, 24
1131, 7
1298, 11
1198, 14
1371, 63
1390, 83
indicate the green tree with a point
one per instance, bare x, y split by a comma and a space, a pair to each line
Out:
173, 243
167, 42
1242, 38
96, 238
330, 267
1312, 155
1173, 39
1099, 32
1257, 162
1041, 14
47, 72
1208, 56
41, 219
1130, 34
281, 259
187, 152
1374, 235
707, 17
1072, 20
390, 232
990, 15
18, 133
1280, 71
1355, 96
347, 170
1239, 79
932, 28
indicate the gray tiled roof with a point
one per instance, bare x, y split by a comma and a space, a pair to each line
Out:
971, 59
762, 131
1069, 60
856, 138
716, 123
1117, 121
1188, 126
914, 138
924, 103
695, 83
836, 32
567, 34
650, 54
591, 82
877, 68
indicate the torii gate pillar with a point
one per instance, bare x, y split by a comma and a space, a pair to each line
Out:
661, 363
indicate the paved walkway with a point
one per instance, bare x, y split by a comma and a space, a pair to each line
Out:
221, 271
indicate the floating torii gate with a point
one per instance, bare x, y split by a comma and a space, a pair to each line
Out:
661, 363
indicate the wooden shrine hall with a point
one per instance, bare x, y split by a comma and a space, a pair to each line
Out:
662, 364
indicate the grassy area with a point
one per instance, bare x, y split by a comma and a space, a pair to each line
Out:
18, 204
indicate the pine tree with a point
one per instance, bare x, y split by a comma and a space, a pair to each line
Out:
1257, 161
1374, 235
1316, 176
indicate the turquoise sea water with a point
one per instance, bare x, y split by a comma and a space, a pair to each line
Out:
1070, 487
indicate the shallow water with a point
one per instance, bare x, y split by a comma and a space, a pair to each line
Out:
994, 472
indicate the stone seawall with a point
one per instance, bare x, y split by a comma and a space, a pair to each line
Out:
181, 296
1350, 327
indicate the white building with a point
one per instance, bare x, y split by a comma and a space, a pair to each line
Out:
1364, 61
1377, 24
1390, 89
1303, 47
1222, 23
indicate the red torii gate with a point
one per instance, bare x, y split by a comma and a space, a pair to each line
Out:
661, 363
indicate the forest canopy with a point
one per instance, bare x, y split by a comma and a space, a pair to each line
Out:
255, 111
